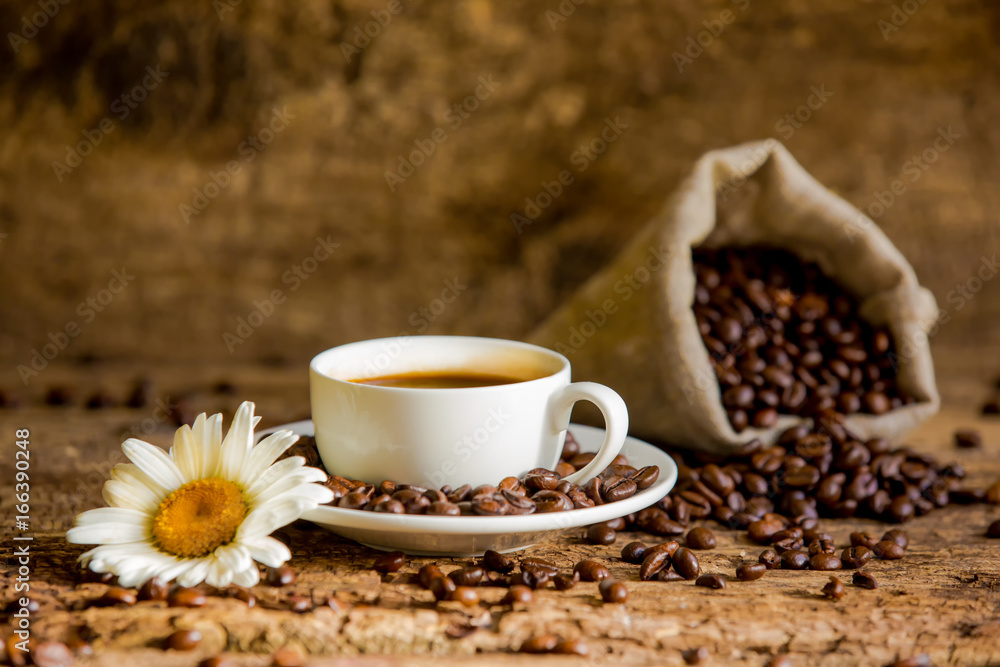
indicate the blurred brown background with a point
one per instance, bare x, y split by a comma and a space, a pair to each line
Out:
892, 74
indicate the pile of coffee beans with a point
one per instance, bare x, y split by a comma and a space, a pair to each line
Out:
785, 339
537, 491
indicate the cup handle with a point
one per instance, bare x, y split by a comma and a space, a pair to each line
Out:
615, 414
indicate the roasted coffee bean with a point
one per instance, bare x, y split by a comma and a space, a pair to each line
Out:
300, 604
864, 580
50, 654
710, 581
600, 534
700, 538
994, 530
593, 489
498, 562
570, 447
392, 561
442, 588
821, 547
429, 573
762, 530
633, 552
389, 506
552, 501
572, 647
564, 582
685, 563
532, 580
183, 640
967, 438
187, 597
354, 500
591, 570
751, 571
864, 540
656, 522
287, 656
465, 595
446, 508
695, 656
794, 559
540, 479
898, 536
901, 509
564, 469
582, 459
834, 589
115, 596
854, 558
646, 477
470, 575
769, 558
217, 661
619, 488
460, 494
653, 563
824, 561
154, 589
518, 595
539, 565
540, 644
613, 591
669, 575
887, 550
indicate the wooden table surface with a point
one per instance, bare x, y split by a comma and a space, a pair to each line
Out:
942, 599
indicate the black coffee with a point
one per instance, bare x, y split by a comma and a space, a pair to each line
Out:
442, 380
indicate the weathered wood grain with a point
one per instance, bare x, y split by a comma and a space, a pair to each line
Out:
942, 599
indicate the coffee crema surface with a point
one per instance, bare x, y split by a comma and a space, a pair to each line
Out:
441, 380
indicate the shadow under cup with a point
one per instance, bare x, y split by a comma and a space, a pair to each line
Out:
437, 436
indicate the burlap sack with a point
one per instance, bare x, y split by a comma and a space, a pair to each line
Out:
631, 326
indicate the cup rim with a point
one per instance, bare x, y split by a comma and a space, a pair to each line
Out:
564, 363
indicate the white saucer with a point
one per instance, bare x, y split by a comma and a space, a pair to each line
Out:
461, 536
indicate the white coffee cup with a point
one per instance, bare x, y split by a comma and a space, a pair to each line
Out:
437, 436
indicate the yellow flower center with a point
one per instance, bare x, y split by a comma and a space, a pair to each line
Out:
198, 517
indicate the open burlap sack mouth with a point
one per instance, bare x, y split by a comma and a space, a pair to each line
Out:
632, 327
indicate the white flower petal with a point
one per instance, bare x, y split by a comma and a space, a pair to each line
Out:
237, 443
112, 553
154, 462
207, 432
271, 516
196, 573
269, 551
265, 453
247, 578
109, 525
287, 469
186, 453
118, 493
310, 495
234, 556
219, 575
131, 474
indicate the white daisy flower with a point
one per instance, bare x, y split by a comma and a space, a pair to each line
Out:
203, 512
